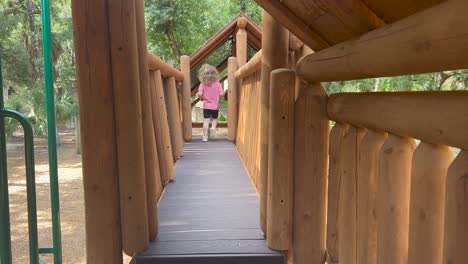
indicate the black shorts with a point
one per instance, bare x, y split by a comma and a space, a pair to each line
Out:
208, 113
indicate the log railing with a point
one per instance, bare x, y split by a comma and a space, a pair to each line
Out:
397, 202
245, 108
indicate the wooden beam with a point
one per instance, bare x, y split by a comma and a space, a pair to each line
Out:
298, 27
98, 134
275, 56
252, 66
393, 200
311, 139
427, 203
156, 64
432, 40
153, 178
200, 125
456, 211
434, 117
127, 107
241, 42
281, 161
186, 98
173, 117
233, 103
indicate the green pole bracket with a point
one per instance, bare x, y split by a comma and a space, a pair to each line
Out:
30, 181
51, 130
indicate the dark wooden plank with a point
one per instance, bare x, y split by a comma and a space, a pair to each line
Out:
212, 259
210, 213
208, 247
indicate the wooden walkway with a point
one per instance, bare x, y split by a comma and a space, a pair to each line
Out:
210, 214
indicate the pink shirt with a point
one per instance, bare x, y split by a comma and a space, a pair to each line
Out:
211, 94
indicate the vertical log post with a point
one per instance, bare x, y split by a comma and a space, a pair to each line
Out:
311, 139
98, 135
186, 98
281, 160
456, 212
275, 55
127, 106
393, 200
427, 202
232, 99
241, 42
161, 129
334, 187
368, 171
153, 187
161, 104
347, 219
174, 118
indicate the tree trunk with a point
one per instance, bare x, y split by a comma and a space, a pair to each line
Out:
169, 30
34, 48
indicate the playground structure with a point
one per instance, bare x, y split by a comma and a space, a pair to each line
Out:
360, 192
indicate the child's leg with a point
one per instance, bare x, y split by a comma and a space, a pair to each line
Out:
214, 123
206, 126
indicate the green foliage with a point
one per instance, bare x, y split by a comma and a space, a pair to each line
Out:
192, 22
19, 62
440, 81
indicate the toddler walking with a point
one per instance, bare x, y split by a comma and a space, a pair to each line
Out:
209, 91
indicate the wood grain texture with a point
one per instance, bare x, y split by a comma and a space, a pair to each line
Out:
156, 64
430, 41
175, 126
128, 114
249, 125
456, 212
241, 45
152, 172
348, 203
163, 141
232, 99
252, 66
281, 160
311, 140
334, 190
98, 135
186, 98
427, 203
393, 199
433, 117
367, 189
291, 21
274, 56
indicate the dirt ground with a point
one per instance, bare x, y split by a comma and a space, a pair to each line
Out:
71, 198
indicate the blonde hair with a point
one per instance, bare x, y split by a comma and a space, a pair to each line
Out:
208, 74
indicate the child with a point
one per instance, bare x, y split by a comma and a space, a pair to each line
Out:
209, 92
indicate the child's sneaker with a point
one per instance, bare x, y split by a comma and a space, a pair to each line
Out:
212, 133
205, 139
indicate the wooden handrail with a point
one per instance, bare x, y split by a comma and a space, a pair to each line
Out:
156, 64
429, 41
252, 66
434, 117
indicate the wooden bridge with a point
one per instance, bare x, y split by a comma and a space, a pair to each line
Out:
360, 192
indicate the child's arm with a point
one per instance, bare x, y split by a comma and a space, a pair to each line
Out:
200, 92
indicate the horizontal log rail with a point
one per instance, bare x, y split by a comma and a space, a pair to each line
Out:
252, 66
430, 41
200, 125
434, 117
156, 64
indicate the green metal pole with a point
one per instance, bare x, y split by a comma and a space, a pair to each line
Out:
51, 129
5, 239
